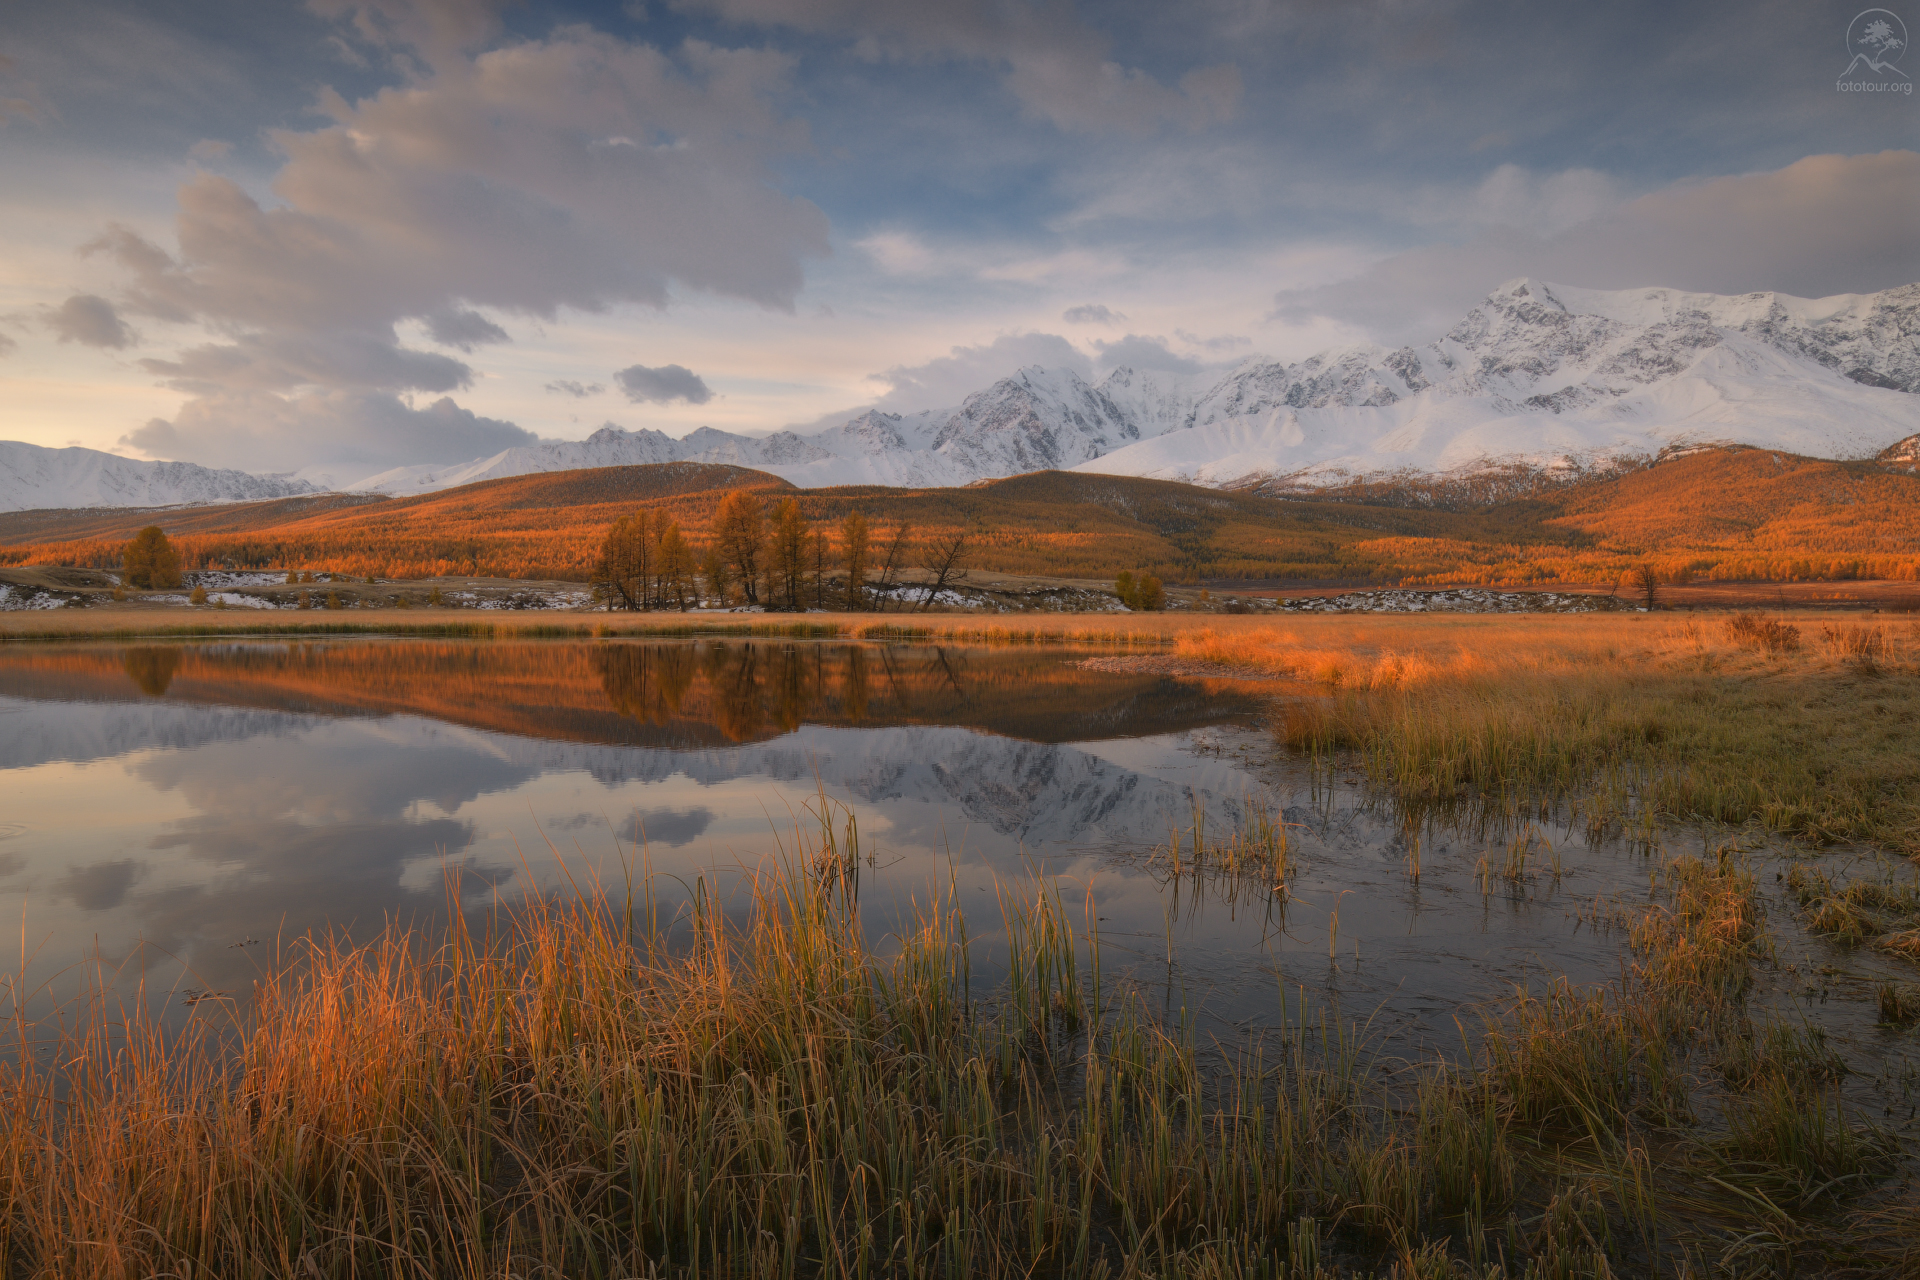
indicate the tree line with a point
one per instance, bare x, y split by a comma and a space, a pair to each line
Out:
774, 560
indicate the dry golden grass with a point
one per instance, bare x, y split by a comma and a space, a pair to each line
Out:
1805, 727
593, 1090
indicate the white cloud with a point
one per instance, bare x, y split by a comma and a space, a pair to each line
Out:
342, 428
949, 379
897, 253
1142, 352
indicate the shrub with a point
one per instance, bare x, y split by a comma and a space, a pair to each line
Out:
199, 596
1143, 593
1765, 635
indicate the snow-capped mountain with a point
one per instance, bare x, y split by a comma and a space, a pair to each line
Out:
1037, 419
1538, 374
33, 477
1549, 375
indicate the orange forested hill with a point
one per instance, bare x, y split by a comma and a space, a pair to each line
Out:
1729, 514
1732, 514
538, 526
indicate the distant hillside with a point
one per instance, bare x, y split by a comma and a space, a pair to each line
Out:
547, 525
1717, 513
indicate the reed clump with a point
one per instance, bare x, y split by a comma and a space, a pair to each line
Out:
1876, 912
584, 1091
1631, 724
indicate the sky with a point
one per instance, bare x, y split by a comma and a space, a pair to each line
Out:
346, 235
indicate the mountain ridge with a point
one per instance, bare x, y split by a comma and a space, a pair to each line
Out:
1538, 377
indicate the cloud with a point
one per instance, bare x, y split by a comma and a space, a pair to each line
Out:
1823, 225
101, 886
261, 431
898, 253
463, 329
670, 827
7, 345
1092, 313
483, 183
944, 382
1140, 352
279, 361
1542, 203
90, 321
664, 385
1219, 342
436, 29
578, 390
208, 149
1055, 65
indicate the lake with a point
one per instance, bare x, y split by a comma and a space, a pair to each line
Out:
179, 813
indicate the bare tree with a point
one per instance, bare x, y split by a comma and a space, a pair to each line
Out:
895, 561
1646, 580
818, 570
945, 566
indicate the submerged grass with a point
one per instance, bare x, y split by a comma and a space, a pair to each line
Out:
587, 1092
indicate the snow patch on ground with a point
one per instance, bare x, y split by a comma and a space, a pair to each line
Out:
1453, 600
15, 599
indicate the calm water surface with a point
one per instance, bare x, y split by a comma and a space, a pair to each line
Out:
175, 812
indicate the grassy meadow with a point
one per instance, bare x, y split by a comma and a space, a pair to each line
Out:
584, 1089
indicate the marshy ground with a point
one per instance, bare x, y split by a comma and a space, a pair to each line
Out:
1716, 816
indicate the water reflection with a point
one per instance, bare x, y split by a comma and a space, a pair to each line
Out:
177, 801
660, 694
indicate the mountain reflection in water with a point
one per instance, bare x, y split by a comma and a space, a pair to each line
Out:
176, 812
168, 802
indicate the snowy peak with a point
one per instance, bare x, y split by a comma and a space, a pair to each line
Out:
33, 477
1551, 376
1037, 420
1539, 374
